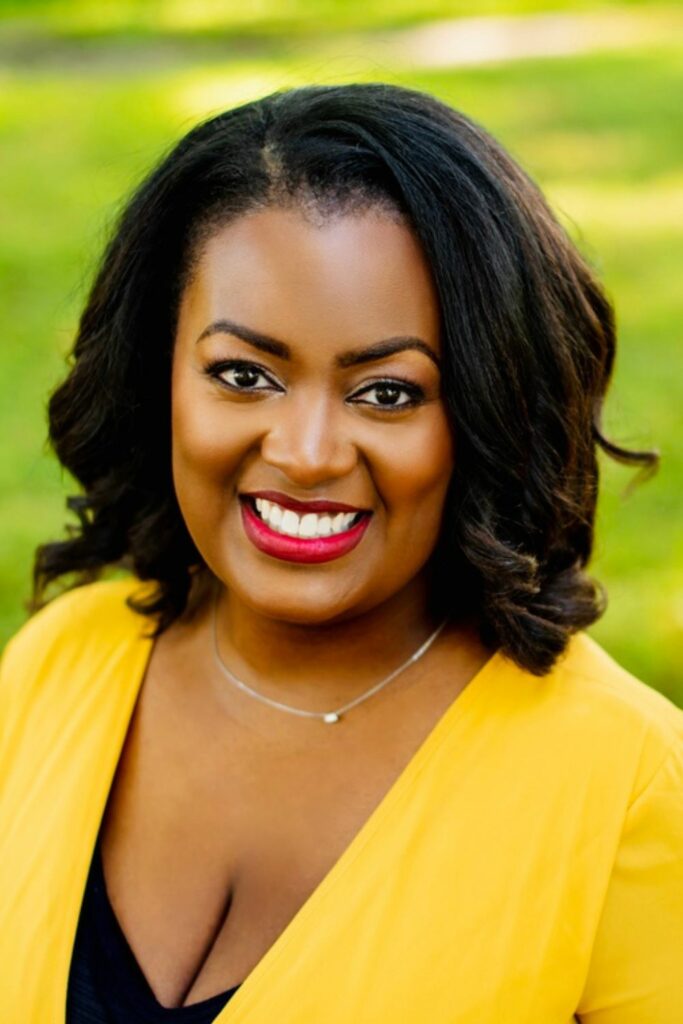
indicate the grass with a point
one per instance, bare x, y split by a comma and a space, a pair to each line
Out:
599, 132
130, 18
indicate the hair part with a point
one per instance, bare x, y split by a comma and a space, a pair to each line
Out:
528, 353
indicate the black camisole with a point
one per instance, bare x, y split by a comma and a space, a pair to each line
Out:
106, 984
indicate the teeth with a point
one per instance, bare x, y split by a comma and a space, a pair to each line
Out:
324, 525
274, 515
290, 523
309, 525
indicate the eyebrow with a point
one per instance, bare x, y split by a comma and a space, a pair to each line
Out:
353, 357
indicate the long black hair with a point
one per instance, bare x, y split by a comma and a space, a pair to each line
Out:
528, 349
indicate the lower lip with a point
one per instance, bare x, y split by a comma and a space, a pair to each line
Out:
298, 549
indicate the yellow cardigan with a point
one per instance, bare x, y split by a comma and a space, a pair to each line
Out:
526, 866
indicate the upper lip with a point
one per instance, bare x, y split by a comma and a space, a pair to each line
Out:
302, 506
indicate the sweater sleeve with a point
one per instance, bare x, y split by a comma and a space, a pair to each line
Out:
636, 968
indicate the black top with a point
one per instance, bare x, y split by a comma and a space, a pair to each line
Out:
106, 984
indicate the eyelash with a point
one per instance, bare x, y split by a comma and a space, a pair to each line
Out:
415, 393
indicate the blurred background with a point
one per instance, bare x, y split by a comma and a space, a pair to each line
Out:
586, 96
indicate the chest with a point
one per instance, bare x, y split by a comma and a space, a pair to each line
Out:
466, 887
213, 839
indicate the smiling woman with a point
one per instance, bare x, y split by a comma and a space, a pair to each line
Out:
363, 428
334, 408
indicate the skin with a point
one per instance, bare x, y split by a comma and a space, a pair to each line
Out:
225, 814
355, 281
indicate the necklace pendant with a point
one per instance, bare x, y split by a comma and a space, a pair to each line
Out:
331, 716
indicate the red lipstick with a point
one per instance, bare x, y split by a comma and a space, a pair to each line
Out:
301, 549
302, 506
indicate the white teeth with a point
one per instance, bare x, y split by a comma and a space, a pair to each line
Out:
309, 525
338, 522
290, 523
324, 526
274, 515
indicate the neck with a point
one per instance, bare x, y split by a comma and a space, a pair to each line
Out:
317, 666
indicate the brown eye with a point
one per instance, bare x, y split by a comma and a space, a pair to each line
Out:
245, 377
390, 395
241, 376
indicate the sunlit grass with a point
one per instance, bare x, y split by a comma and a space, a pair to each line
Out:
182, 16
199, 96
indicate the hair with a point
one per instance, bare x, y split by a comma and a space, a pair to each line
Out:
528, 342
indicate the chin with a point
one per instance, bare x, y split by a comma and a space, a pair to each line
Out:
298, 604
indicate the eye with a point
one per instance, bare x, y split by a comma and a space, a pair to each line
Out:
391, 395
240, 375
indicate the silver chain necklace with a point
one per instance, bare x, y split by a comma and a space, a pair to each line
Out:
324, 716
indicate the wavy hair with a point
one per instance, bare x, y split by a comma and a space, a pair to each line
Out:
528, 349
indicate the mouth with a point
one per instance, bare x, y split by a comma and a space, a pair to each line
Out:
310, 522
301, 536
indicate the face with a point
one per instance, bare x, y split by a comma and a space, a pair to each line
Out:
311, 447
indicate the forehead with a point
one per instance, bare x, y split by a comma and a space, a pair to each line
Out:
357, 276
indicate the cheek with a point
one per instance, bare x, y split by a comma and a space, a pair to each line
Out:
414, 472
205, 450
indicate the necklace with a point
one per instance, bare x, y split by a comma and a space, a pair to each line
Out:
324, 716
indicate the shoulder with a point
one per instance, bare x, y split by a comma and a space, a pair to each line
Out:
587, 669
75, 625
79, 646
632, 723
101, 605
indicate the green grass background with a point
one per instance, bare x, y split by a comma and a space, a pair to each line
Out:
92, 94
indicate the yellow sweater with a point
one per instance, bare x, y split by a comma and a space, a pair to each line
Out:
526, 866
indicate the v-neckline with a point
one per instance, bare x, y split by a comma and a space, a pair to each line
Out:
131, 976
141, 645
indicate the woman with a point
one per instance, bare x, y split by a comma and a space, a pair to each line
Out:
336, 748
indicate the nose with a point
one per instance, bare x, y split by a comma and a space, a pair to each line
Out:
308, 441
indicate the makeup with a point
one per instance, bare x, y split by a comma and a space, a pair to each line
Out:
301, 549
